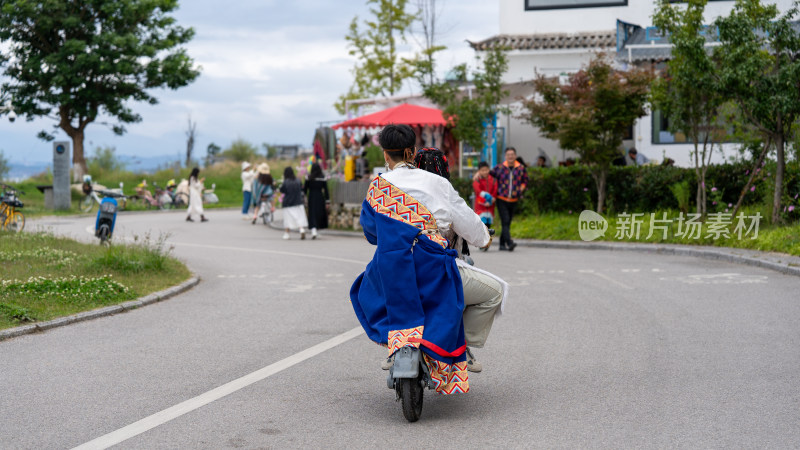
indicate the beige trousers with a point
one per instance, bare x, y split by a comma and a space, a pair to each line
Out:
482, 298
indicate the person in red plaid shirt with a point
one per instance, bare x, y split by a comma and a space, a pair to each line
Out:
512, 180
485, 188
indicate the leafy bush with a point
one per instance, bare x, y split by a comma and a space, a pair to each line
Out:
649, 188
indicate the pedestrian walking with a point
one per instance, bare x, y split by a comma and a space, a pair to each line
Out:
262, 189
294, 214
512, 180
248, 175
316, 190
196, 196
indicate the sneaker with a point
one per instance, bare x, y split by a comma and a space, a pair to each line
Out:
302, 233
386, 365
511, 246
472, 362
286, 236
313, 233
189, 219
503, 248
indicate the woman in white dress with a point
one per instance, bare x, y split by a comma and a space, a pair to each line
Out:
294, 212
196, 196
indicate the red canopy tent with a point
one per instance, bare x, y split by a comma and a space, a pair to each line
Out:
412, 115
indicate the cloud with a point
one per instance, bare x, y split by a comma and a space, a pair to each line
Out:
271, 72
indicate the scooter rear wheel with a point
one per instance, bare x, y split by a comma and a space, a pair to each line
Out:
411, 394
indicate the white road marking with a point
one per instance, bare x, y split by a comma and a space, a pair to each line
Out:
275, 252
720, 278
162, 417
608, 278
90, 230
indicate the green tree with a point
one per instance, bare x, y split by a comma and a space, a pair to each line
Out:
425, 61
5, 168
687, 92
380, 70
591, 113
758, 66
467, 106
240, 150
270, 150
105, 161
75, 60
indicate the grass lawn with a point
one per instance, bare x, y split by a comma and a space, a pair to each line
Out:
45, 277
225, 175
561, 226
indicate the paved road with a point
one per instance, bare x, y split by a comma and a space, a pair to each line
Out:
596, 349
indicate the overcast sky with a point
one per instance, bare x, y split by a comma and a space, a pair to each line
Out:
271, 71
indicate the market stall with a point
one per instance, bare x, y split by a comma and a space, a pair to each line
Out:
429, 125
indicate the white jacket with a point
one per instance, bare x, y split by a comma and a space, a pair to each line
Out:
247, 180
448, 208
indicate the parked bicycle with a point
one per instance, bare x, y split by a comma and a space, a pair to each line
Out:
168, 198
10, 218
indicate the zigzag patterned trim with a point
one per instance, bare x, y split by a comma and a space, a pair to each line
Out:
447, 378
386, 199
399, 338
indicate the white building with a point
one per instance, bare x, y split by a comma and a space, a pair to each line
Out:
557, 37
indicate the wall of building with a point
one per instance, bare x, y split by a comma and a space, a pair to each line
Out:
523, 65
514, 19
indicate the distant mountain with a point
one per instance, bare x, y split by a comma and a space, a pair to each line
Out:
149, 164
20, 172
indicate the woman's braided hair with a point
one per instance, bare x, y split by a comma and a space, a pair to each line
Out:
432, 160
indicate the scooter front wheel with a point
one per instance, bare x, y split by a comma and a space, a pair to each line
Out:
103, 234
411, 394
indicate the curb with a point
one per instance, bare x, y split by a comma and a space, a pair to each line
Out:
715, 253
730, 254
102, 312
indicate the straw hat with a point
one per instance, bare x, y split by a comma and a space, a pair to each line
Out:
263, 168
245, 165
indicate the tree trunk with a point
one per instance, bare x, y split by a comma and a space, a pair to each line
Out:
79, 168
600, 181
700, 181
776, 203
758, 163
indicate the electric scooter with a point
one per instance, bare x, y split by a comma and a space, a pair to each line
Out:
410, 375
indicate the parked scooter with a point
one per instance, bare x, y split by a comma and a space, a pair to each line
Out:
106, 219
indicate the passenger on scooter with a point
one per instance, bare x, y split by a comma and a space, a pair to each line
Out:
414, 291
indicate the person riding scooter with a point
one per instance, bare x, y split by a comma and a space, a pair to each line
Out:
414, 291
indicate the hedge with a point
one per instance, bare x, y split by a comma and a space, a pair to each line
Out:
647, 188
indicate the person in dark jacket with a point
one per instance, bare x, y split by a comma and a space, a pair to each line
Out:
316, 190
512, 180
294, 212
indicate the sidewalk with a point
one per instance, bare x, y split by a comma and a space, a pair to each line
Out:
778, 262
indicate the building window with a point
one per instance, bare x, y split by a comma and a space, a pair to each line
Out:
532, 5
662, 135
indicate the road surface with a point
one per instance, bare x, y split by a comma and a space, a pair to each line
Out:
596, 349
